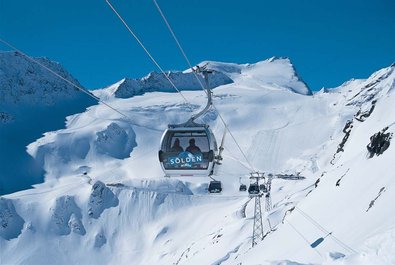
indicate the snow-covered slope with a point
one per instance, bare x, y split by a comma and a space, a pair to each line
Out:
32, 101
105, 200
354, 190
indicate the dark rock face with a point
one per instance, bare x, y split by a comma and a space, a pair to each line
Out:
347, 130
363, 115
379, 143
159, 82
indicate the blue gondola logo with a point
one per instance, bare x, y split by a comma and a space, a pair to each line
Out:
185, 160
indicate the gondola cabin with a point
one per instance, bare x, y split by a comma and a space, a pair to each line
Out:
188, 150
243, 187
253, 189
215, 186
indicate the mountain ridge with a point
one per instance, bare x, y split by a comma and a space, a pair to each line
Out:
223, 74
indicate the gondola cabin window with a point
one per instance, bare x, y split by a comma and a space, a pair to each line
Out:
187, 150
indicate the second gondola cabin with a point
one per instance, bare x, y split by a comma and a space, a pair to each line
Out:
253, 189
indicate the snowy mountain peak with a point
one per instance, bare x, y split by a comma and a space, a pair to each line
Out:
275, 58
25, 81
273, 73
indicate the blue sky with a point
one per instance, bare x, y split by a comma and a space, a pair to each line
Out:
329, 42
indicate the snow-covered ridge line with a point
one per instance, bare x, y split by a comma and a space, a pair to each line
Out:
276, 71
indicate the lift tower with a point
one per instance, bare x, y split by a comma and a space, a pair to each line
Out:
257, 232
268, 198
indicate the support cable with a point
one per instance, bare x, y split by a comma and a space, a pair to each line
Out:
302, 236
146, 51
178, 43
320, 227
189, 64
73, 84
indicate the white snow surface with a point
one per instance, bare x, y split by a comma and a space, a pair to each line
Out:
105, 200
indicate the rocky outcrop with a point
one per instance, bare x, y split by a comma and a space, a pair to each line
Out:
11, 224
116, 141
100, 199
66, 217
379, 143
158, 82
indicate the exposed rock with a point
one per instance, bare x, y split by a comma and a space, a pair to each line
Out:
158, 82
379, 142
347, 130
76, 225
340, 179
11, 224
371, 204
66, 216
371, 89
25, 81
100, 240
100, 199
116, 141
363, 115
340, 148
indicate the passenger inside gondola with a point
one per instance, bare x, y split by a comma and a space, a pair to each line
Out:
192, 148
176, 146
